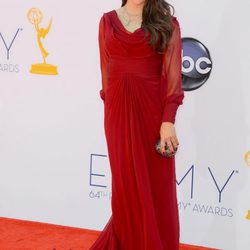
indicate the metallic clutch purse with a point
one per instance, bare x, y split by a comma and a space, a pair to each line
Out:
167, 151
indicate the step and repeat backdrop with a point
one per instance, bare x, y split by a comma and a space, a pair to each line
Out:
54, 164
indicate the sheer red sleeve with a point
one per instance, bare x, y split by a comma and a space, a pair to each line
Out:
171, 80
103, 57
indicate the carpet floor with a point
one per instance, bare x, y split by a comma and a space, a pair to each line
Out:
18, 234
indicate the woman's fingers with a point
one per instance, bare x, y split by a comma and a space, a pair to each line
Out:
172, 143
162, 146
168, 136
175, 142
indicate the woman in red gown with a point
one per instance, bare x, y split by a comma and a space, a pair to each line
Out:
141, 92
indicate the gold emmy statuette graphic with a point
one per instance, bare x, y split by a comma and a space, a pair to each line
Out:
35, 17
247, 158
248, 215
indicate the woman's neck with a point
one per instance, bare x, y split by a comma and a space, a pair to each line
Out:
133, 8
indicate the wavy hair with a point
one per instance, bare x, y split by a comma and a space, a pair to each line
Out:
157, 20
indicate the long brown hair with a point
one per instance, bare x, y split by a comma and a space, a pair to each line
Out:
157, 19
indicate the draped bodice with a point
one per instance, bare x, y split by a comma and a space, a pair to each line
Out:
122, 43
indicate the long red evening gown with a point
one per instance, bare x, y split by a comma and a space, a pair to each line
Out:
140, 89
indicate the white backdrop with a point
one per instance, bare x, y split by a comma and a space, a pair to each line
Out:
53, 157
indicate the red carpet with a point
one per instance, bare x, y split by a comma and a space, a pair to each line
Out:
28, 235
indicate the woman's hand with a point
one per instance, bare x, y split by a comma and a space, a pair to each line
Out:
168, 135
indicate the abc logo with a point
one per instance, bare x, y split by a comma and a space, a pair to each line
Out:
196, 64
